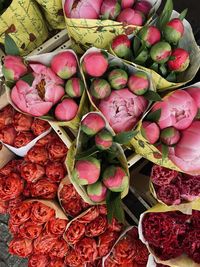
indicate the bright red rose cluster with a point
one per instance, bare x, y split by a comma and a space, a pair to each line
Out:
17, 129
172, 187
173, 233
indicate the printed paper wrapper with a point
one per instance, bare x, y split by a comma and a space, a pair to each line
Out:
76, 147
183, 260
25, 24
53, 13
5, 156
45, 59
99, 33
187, 42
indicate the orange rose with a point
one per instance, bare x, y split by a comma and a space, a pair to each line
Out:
41, 213
96, 227
31, 172
22, 139
87, 249
39, 126
37, 154
22, 122
56, 226
44, 189
57, 150
55, 171
8, 134
75, 232
6, 116
21, 247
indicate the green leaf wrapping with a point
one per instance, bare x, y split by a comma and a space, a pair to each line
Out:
153, 116
10, 46
152, 96
124, 137
165, 15
28, 78
114, 207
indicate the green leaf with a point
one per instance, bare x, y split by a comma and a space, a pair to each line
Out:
10, 46
10, 84
171, 77
165, 151
152, 96
125, 137
163, 70
142, 57
93, 150
154, 67
47, 117
165, 15
136, 45
114, 206
183, 14
28, 78
154, 116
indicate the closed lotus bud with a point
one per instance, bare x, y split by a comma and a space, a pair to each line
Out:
87, 171
92, 124
64, 64
118, 79
121, 46
100, 88
170, 136
131, 17
138, 83
66, 110
179, 60
161, 52
95, 64
127, 3
173, 31
150, 35
97, 192
143, 6
150, 131
110, 9
13, 68
104, 140
74, 87
115, 178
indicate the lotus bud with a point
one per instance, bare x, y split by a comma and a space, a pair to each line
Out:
150, 35
92, 124
104, 140
74, 87
110, 9
179, 60
66, 110
13, 68
64, 64
131, 17
97, 192
95, 64
127, 3
160, 52
115, 178
121, 45
170, 136
138, 83
118, 79
100, 88
87, 171
143, 6
173, 31
150, 131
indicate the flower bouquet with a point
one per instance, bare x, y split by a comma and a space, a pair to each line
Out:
166, 49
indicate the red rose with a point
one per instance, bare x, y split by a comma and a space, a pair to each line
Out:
22, 122
57, 150
13, 228
56, 262
38, 260
84, 204
106, 241
115, 226
195, 220
21, 213
15, 203
56, 226
169, 194
12, 166
6, 116
191, 244
37, 154
21, 247
133, 233
87, 249
72, 207
162, 176
74, 232
31, 172
142, 253
47, 139
73, 259
3, 206
111, 263
22, 139
96, 227
55, 171
90, 215
44, 189
27, 190
41, 213
39, 126
103, 210
68, 191
189, 186
97, 263
59, 249
8, 135
30, 230
44, 243
11, 187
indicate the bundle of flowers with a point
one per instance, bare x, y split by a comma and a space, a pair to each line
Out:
166, 49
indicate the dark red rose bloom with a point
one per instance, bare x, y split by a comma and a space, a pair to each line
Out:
3, 207
11, 186
72, 207
47, 139
169, 194
85, 205
6, 116
30, 230
12, 166
142, 253
59, 249
87, 249
189, 187
57, 150
21, 247
103, 210
90, 215
73, 259
162, 176
38, 260
15, 203
111, 263
21, 213
115, 225
96, 227
191, 244
44, 243
56, 262
31, 172
97, 263
22, 122
74, 232
133, 233
39, 126
44, 189
55, 171
41, 213
8, 135
195, 220
37, 154
106, 241
22, 139
56, 226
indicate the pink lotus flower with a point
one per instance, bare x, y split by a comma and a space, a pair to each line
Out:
143, 6
14, 68
179, 60
92, 123
123, 109
150, 131
82, 9
66, 110
131, 17
178, 109
97, 192
173, 31
104, 140
150, 35
38, 99
195, 94
121, 46
127, 3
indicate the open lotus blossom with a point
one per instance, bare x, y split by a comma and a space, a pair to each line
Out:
39, 98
